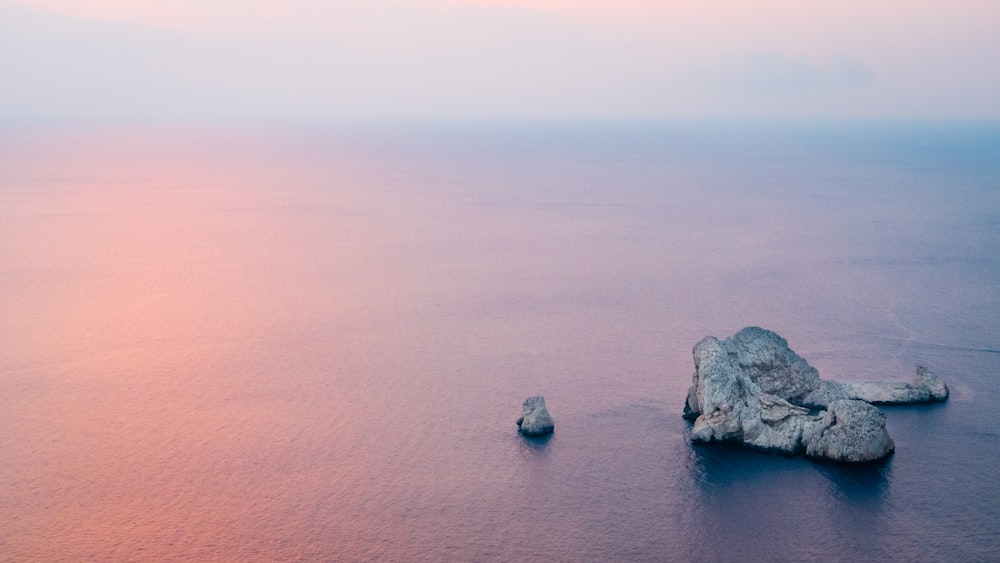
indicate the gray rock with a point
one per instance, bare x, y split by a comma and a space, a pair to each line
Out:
753, 389
536, 420
728, 404
772, 365
926, 387
851, 431
930, 380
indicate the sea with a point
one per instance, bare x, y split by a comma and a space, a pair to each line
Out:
311, 341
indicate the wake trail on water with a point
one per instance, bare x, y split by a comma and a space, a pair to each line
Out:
939, 346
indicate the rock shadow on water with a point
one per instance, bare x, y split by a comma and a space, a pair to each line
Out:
723, 465
537, 443
720, 465
858, 512
861, 483
534, 446
764, 501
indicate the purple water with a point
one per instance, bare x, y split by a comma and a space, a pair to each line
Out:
283, 343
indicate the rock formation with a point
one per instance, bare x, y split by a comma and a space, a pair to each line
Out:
851, 431
926, 387
752, 388
536, 420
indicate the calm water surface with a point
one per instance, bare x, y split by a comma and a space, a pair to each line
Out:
312, 343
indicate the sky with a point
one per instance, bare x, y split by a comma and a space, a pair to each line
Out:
622, 59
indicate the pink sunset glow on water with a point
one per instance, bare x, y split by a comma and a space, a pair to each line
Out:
276, 276
162, 372
281, 344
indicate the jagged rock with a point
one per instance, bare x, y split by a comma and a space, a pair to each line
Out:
752, 388
850, 431
930, 380
536, 420
727, 404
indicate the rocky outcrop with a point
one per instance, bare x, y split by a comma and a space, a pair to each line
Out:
926, 387
849, 431
536, 420
752, 388
727, 404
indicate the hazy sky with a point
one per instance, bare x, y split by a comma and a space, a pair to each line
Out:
498, 58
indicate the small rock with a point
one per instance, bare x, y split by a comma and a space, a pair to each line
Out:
536, 420
928, 379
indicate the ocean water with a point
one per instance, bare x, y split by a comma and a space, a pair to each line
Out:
312, 343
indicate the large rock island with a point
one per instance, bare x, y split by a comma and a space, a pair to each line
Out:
753, 389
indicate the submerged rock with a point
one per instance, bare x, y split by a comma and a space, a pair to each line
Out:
752, 388
536, 420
